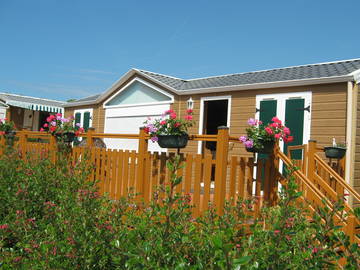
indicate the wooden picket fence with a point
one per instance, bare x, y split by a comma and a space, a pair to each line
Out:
207, 180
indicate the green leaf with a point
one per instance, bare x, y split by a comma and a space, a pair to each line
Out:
243, 260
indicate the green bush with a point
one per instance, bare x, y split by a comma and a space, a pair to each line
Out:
51, 217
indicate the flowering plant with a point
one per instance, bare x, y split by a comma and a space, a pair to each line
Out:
56, 124
169, 124
6, 126
258, 133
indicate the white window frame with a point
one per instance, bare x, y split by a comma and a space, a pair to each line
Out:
139, 104
82, 112
201, 121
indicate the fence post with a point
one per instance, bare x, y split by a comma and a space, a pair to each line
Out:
222, 148
142, 151
89, 137
273, 176
53, 148
350, 228
311, 159
22, 147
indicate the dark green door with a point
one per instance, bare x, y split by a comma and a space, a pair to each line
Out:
267, 112
294, 119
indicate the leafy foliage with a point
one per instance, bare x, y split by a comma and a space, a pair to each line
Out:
51, 217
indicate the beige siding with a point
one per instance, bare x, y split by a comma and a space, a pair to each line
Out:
328, 112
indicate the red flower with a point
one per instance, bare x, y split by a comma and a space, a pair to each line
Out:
276, 120
41, 129
4, 227
188, 117
52, 129
173, 115
269, 130
163, 123
46, 125
290, 138
146, 130
189, 111
177, 124
169, 111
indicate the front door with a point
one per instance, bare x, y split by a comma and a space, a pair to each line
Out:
294, 110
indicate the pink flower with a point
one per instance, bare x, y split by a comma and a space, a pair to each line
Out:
275, 125
252, 122
188, 117
315, 250
276, 120
286, 131
46, 125
249, 144
154, 139
278, 135
177, 124
59, 114
4, 227
163, 123
173, 115
53, 123
243, 139
169, 111
189, 111
276, 232
269, 131
41, 129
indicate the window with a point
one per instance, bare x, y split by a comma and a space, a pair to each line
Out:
84, 117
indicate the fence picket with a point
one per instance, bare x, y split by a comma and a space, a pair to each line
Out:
207, 183
197, 181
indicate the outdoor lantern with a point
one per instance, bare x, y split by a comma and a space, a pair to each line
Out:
190, 103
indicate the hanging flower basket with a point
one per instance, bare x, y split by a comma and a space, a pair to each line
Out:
267, 148
334, 152
173, 141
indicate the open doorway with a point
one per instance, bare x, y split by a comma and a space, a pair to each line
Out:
215, 112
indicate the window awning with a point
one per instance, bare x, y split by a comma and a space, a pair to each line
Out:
34, 106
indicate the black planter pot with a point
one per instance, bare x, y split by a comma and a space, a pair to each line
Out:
334, 152
268, 147
173, 141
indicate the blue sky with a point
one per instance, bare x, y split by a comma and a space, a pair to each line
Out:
64, 49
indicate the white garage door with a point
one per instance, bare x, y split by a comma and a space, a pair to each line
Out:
128, 109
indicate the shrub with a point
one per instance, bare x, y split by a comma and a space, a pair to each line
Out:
51, 217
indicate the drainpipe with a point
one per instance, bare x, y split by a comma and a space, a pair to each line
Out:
350, 133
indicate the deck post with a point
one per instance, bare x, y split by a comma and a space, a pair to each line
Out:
311, 159
53, 148
89, 137
222, 148
273, 176
142, 151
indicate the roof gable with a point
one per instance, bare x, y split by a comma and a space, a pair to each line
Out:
138, 92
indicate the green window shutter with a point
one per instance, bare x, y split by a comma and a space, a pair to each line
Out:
86, 123
267, 110
77, 118
294, 119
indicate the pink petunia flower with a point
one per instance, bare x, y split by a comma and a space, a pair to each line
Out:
269, 131
252, 122
243, 139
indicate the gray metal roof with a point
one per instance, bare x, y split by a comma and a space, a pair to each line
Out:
89, 98
313, 71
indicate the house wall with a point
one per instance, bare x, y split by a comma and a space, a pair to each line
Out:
328, 112
98, 117
17, 116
